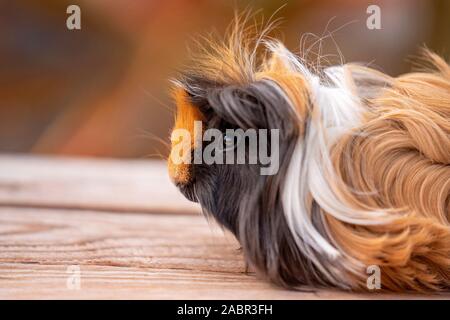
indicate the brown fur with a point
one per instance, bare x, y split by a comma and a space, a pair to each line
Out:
402, 161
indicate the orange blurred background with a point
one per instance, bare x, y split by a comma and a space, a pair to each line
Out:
103, 90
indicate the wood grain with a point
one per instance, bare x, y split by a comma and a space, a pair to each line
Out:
111, 185
49, 223
125, 256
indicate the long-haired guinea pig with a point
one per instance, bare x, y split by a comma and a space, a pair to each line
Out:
363, 164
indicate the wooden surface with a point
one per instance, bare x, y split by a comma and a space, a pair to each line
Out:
125, 228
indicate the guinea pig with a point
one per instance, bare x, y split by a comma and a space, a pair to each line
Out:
362, 174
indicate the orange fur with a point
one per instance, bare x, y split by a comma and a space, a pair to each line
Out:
186, 115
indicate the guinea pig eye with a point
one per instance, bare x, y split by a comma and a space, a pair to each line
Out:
229, 142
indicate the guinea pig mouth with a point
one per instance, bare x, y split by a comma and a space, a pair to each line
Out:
188, 190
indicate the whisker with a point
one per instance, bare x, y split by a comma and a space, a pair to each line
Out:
150, 135
162, 104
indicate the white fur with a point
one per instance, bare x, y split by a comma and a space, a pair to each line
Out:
336, 110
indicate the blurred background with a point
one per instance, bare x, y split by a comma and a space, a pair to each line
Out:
103, 90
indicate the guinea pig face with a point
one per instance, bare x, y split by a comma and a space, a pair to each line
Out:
227, 87
218, 187
244, 198
220, 122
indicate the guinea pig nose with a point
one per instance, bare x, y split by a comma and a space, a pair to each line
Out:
179, 173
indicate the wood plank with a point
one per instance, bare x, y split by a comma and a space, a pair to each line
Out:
109, 218
98, 282
140, 256
99, 184
151, 256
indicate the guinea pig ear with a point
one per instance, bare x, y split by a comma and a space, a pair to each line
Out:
258, 105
